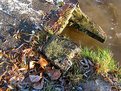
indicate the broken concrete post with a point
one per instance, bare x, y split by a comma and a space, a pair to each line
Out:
81, 22
70, 13
60, 52
57, 20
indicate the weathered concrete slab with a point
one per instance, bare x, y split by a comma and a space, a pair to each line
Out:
57, 20
61, 51
84, 24
71, 14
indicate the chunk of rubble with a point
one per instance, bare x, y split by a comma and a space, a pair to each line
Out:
70, 14
61, 51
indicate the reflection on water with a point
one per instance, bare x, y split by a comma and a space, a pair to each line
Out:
107, 14
80, 38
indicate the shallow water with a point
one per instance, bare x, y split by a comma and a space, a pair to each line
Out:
107, 14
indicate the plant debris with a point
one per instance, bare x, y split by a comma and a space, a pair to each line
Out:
43, 63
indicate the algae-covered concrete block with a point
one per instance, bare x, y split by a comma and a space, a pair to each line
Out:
84, 24
70, 14
61, 51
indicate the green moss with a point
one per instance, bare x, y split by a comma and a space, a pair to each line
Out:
55, 49
103, 58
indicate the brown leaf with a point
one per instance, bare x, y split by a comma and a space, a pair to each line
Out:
27, 51
1, 54
43, 62
53, 73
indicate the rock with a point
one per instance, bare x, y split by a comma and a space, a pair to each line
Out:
95, 85
61, 51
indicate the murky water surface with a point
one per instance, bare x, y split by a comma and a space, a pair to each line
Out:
107, 14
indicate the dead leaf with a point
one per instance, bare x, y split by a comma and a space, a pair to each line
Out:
31, 64
43, 62
10, 87
38, 85
54, 73
22, 69
1, 54
41, 74
27, 51
2, 75
34, 78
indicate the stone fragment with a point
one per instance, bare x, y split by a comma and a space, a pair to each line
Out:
70, 14
61, 51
